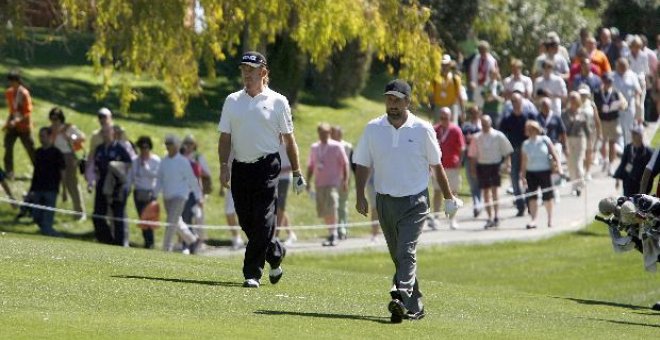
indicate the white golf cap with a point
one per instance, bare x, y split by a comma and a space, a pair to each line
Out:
104, 111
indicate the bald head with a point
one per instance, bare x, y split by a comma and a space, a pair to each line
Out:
516, 102
486, 123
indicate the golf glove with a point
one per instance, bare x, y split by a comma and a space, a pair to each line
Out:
299, 183
451, 206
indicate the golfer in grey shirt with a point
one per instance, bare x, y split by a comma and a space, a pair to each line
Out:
401, 147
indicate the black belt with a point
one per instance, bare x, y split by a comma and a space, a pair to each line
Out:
260, 159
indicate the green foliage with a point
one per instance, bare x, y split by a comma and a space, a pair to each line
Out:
168, 41
639, 16
451, 21
515, 27
344, 76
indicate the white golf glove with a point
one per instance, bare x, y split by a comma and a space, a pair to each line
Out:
299, 183
452, 205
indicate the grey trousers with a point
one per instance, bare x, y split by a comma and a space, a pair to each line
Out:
174, 209
402, 220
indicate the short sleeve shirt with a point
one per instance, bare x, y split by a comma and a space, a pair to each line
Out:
490, 147
328, 160
400, 157
538, 153
255, 123
451, 143
553, 126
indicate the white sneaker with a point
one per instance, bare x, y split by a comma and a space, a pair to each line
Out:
251, 283
185, 251
588, 178
453, 225
237, 243
291, 239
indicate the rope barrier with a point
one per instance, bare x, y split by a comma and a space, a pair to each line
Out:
227, 227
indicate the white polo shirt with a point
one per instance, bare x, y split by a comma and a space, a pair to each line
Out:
400, 157
255, 123
553, 86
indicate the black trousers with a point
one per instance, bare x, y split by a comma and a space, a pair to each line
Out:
11, 135
148, 234
254, 188
102, 230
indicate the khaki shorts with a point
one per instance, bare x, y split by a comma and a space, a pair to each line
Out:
611, 130
327, 201
454, 179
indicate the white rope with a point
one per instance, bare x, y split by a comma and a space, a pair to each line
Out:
227, 227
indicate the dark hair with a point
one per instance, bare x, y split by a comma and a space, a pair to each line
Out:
47, 129
142, 140
14, 76
57, 112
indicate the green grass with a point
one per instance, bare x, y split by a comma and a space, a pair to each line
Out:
572, 286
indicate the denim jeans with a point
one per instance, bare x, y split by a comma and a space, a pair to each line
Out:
515, 178
44, 218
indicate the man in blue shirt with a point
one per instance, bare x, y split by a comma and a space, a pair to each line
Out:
106, 153
586, 77
513, 127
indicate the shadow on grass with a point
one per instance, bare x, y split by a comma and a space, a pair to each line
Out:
589, 233
602, 303
377, 319
199, 282
628, 323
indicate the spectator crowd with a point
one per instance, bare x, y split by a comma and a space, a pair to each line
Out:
576, 106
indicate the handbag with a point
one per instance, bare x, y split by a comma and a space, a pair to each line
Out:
207, 185
554, 163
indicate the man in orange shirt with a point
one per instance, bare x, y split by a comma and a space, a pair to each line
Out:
597, 57
19, 122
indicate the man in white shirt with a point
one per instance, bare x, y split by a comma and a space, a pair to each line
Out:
640, 65
627, 83
488, 149
518, 80
252, 124
552, 85
401, 147
176, 180
480, 69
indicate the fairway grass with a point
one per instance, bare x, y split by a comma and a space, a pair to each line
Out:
570, 286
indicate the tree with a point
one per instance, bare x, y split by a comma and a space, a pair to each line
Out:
168, 40
515, 27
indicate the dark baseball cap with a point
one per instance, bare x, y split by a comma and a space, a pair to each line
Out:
608, 77
398, 88
254, 59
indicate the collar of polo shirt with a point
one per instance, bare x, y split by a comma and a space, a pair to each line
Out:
408, 123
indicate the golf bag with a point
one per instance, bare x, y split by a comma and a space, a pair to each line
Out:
637, 216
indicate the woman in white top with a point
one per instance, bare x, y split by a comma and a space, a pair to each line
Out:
142, 177
192, 212
68, 139
176, 180
536, 170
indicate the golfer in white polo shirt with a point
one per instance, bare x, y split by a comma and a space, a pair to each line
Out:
401, 147
253, 122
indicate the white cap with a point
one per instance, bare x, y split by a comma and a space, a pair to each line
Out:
446, 59
584, 90
104, 111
